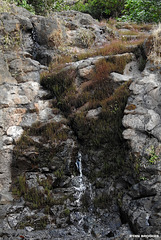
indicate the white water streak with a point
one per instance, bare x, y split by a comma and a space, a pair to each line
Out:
82, 187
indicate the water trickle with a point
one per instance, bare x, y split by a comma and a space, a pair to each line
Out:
81, 184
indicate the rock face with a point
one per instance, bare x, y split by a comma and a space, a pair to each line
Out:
142, 123
21, 97
17, 97
58, 159
37, 144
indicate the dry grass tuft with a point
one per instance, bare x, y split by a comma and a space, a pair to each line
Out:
131, 107
155, 54
5, 6
55, 38
114, 47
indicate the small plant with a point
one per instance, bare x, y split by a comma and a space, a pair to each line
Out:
46, 183
58, 63
155, 54
32, 221
61, 85
59, 173
119, 198
153, 157
66, 212
24, 4
55, 38
34, 198
86, 37
142, 178
12, 40
52, 131
114, 47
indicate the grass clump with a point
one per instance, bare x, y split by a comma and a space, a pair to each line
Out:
104, 133
86, 37
107, 128
38, 146
55, 38
61, 86
101, 85
52, 131
153, 157
66, 212
155, 54
33, 197
11, 40
34, 222
114, 47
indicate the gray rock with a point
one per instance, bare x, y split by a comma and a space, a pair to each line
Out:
86, 72
143, 131
10, 23
7, 140
117, 77
5, 75
15, 132
93, 113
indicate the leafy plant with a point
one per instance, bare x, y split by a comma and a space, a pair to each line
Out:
42, 7
25, 4
101, 8
142, 10
153, 157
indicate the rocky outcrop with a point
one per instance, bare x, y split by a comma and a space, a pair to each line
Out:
142, 123
18, 106
66, 183
37, 143
21, 97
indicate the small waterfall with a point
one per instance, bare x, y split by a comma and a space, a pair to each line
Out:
79, 164
81, 184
